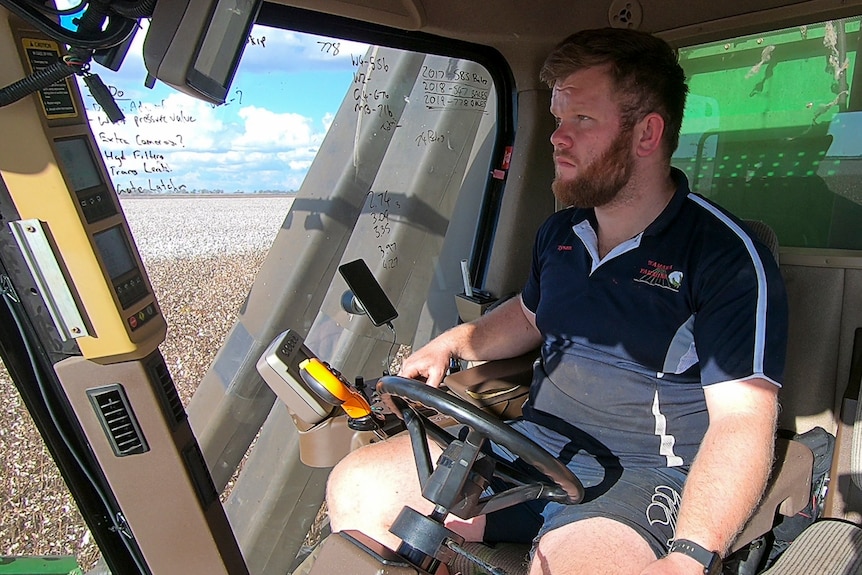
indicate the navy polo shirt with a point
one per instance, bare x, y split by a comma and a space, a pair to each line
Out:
631, 340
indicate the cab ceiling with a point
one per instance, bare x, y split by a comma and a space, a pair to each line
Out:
525, 30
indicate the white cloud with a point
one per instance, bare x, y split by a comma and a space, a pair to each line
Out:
328, 118
172, 124
271, 130
297, 166
172, 137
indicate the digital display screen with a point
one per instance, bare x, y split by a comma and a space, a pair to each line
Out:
114, 249
222, 46
77, 162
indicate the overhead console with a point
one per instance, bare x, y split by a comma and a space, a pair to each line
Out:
195, 46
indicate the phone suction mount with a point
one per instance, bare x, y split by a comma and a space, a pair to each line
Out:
351, 304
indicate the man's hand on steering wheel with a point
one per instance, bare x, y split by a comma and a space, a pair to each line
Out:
429, 363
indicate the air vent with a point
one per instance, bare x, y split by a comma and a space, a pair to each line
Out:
175, 413
625, 14
118, 420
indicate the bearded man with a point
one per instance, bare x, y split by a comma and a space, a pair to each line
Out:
662, 325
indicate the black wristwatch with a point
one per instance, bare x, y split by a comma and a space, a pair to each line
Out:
710, 560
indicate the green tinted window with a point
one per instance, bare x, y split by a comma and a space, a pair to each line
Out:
773, 131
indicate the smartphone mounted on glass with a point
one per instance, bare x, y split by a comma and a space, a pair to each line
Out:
367, 291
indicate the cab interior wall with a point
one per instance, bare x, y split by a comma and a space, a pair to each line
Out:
825, 314
527, 200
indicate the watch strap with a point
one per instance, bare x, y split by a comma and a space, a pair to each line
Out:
710, 560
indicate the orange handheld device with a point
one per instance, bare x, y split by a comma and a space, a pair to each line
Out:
333, 389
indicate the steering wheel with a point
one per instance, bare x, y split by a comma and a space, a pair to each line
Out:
564, 486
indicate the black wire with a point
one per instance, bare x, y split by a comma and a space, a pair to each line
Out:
123, 530
56, 72
134, 8
391, 347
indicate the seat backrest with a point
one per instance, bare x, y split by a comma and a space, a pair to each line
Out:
765, 234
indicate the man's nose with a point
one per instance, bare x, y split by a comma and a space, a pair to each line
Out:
561, 138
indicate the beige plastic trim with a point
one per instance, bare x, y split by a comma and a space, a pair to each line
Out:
404, 14
821, 258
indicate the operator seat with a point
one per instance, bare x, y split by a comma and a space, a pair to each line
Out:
765, 234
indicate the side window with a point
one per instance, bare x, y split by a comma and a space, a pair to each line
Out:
772, 131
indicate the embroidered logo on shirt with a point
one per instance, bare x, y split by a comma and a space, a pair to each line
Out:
563, 248
661, 275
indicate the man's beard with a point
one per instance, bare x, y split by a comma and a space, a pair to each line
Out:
601, 180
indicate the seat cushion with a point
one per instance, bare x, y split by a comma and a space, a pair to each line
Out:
826, 547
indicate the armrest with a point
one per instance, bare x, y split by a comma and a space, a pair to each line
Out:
499, 387
788, 490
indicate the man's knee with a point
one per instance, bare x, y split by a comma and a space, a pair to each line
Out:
381, 473
348, 479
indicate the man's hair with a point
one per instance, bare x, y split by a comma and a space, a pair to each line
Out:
645, 70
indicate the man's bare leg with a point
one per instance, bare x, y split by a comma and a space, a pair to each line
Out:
597, 546
369, 487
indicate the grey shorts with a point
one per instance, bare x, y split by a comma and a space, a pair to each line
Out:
645, 499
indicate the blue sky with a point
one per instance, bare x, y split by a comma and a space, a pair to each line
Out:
287, 90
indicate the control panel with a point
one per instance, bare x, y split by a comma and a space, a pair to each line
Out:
279, 366
71, 229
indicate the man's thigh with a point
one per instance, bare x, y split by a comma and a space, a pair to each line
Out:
597, 545
643, 499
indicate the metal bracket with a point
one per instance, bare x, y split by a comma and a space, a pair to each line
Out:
35, 246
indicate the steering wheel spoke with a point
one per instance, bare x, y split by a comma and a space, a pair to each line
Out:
522, 494
466, 470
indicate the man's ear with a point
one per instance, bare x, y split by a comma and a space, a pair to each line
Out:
648, 133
